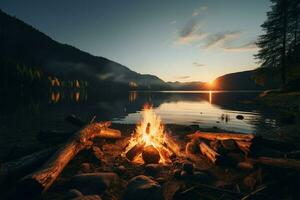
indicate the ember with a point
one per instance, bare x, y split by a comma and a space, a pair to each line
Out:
148, 144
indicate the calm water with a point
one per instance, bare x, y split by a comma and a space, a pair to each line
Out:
206, 109
21, 118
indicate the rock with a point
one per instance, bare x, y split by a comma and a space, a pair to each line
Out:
143, 188
240, 117
229, 145
188, 167
170, 188
73, 193
88, 197
150, 155
177, 173
200, 176
152, 169
94, 183
121, 169
161, 180
86, 167
184, 174
245, 165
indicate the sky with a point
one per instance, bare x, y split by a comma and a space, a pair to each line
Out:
177, 40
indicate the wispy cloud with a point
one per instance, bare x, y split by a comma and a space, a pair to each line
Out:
250, 46
199, 10
191, 32
173, 22
182, 77
221, 40
198, 64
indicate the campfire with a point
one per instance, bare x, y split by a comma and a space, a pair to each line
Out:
149, 142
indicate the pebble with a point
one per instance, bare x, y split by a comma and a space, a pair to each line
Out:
143, 187
86, 167
183, 174
240, 117
200, 176
177, 173
88, 197
152, 169
73, 193
94, 183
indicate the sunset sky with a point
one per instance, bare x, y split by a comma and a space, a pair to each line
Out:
177, 40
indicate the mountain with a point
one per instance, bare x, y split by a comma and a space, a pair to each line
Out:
246, 80
23, 44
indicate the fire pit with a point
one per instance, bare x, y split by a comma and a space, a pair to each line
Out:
149, 142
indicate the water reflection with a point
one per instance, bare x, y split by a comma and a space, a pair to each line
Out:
204, 108
132, 96
72, 96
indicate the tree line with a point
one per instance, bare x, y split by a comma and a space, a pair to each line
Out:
279, 46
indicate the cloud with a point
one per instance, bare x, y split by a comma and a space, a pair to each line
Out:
199, 10
182, 77
198, 64
221, 40
173, 22
191, 32
250, 46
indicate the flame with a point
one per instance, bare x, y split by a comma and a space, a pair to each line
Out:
150, 131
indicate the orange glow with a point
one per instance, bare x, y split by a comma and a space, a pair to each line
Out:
150, 131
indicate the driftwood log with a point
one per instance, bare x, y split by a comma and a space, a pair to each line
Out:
21, 166
221, 136
34, 184
246, 142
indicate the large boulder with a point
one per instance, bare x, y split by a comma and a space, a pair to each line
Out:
94, 183
143, 188
88, 197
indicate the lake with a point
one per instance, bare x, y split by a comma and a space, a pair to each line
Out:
21, 118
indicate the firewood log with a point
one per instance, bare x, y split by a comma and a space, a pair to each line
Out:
213, 156
21, 166
221, 136
34, 184
135, 151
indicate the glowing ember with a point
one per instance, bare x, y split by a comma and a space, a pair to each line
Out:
149, 132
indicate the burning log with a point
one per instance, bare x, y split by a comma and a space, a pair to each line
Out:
222, 136
19, 167
40, 181
135, 151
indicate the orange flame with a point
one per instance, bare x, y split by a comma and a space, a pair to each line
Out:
150, 131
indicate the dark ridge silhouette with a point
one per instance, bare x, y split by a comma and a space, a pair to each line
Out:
23, 44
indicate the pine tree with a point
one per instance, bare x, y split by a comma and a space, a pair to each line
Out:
273, 44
